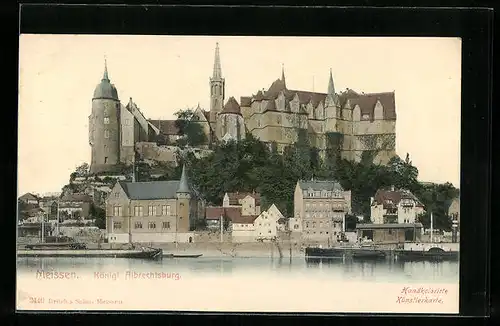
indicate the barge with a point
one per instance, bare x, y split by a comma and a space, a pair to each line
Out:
426, 251
75, 250
355, 253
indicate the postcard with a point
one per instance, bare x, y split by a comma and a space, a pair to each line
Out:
239, 174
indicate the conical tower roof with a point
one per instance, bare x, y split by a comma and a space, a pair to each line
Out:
105, 90
184, 184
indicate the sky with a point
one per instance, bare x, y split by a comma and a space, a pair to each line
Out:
58, 75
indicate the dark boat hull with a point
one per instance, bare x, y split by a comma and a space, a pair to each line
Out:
137, 254
427, 255
340, 253
185, 256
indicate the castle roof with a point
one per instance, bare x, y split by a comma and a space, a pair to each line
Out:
105, 90
245, 100
367, 102
231, 107
166, 127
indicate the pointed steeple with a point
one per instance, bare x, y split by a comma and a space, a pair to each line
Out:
283, 74
217, 74
331, 87
183, 184
105, 76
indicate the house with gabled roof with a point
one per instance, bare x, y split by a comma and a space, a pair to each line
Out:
249, 202
393, 205
158, 211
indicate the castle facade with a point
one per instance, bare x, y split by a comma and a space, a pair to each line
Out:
348, 123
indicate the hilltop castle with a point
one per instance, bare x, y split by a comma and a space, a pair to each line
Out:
349, 122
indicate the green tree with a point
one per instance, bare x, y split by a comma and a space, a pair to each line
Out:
190, 128
99, 214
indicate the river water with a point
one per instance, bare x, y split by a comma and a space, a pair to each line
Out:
233, 284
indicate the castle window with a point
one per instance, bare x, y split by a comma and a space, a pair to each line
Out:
152, 225
117, 211
105, 160
106, 133
150, 210
106, 120
138, 225
117, 225
165, 225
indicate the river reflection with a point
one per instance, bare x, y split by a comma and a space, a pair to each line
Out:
397, 271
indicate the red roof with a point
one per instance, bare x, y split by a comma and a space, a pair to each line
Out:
214, 213
391, 198
231, 213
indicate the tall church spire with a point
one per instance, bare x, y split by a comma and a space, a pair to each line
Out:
331, 87
217, 74
105, 76
217, 84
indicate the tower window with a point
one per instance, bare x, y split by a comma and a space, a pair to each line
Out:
106, 120
106, 133
105, 160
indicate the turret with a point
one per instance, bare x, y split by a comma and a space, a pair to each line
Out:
183, 203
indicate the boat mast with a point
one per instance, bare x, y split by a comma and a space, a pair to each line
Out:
432, 228
57, 223
43, 227
221, 230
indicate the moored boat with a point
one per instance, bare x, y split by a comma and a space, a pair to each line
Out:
185, 256
142, 253
350, 252
427, 251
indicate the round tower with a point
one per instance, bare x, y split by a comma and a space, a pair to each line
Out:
104, 126
230, 122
